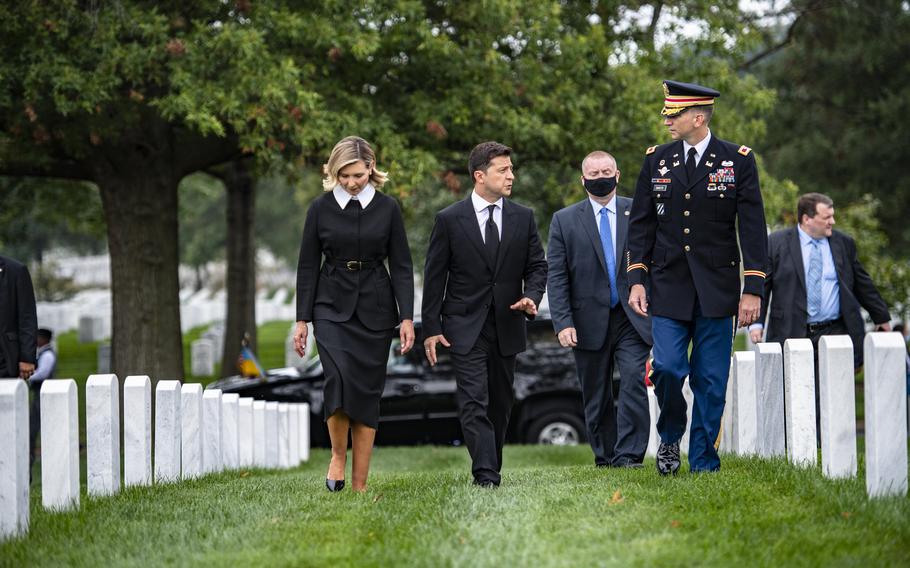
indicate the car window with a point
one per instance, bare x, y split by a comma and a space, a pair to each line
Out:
543, 350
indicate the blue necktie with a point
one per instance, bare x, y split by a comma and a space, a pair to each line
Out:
606, 239
814, 280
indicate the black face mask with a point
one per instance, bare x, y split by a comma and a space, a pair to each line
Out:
600, 187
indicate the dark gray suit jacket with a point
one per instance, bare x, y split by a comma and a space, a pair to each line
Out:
785, 290
18, 317
578, 285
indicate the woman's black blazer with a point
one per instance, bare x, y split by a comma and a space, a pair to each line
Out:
342, 266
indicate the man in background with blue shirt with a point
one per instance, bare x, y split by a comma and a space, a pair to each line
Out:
816, 284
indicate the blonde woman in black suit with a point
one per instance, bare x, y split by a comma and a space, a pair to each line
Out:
353, 300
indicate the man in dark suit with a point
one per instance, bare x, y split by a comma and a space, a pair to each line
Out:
18, 320
817, 283
694, 196
589, 295
485, 273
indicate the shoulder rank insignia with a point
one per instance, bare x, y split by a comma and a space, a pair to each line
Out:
744, 150
651, 150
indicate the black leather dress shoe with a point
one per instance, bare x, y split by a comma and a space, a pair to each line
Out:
668, 458
629, 465
486, 484
334, 485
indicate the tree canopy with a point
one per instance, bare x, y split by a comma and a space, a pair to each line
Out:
135, 95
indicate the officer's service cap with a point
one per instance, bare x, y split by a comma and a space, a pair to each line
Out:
680, 96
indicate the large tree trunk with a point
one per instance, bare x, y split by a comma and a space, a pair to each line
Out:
241, 263
140, 206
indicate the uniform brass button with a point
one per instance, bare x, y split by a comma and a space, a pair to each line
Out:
686, 230
688, 248
721, 195
686, 213
732, 263
688, 196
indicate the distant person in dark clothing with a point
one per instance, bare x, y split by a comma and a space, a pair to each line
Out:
47, 366
18, 320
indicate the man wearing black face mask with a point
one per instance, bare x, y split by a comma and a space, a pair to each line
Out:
589, 306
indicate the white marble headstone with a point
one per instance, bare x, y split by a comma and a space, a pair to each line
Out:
284, 435
137, 430
202, 357
654, 412
259, 444
305, 432
167, 431
744, 403
230, 439
59, 445
271, 434
102, 434
799, 401
191, 430
91, 328
245, 431
885, 399
211, 431
14, 458
689, 397
837, 404
294, 435
104, 358
727, 424
769, 392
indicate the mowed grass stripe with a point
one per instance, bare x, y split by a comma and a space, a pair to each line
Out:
554, 509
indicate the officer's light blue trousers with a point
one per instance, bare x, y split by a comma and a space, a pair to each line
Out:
707, 369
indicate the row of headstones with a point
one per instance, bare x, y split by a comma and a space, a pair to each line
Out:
770, 408
196, 432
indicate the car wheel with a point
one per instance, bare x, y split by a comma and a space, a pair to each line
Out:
559, 429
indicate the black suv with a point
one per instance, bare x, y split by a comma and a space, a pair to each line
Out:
418, 403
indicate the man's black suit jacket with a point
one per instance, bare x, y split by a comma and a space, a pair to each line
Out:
785, 290
460, 282
18, 317
578, 284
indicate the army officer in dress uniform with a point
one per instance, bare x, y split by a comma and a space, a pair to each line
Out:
683, 267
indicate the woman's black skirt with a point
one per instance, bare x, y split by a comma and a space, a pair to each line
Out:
354, 360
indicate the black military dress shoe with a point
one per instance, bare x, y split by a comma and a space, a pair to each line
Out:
486, 484
334, 485
668, 458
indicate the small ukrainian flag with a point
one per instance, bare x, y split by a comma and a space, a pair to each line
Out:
248, 364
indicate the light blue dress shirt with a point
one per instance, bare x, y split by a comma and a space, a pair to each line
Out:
830, 308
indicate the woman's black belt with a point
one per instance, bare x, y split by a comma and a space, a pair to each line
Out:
353, 264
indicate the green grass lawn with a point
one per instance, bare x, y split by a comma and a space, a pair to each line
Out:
553, 509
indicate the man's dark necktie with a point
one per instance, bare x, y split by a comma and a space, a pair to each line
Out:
491, 236
690, 165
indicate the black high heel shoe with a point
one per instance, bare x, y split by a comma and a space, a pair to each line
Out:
334, 485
